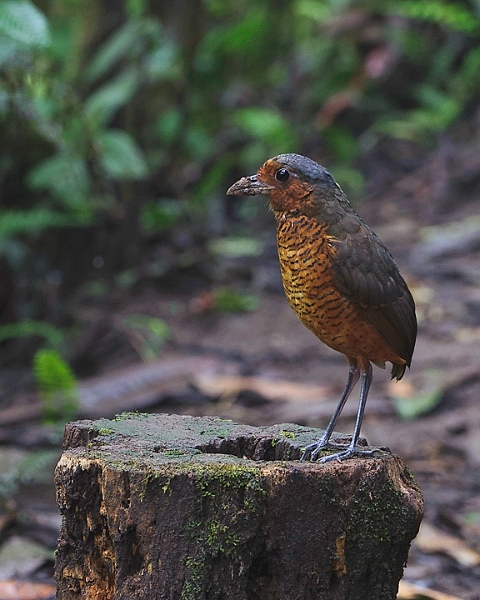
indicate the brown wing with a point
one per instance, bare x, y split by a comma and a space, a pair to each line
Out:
367, 273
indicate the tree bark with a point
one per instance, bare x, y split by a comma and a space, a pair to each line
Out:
185, 508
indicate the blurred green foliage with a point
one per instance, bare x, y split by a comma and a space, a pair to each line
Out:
52, 336
121, 122
57, 387
227, 299
147, 334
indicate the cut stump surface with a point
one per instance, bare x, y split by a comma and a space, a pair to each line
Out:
184, 508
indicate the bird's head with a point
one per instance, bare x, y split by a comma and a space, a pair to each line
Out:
293, 184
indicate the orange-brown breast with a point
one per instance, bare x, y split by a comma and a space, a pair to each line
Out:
306, 254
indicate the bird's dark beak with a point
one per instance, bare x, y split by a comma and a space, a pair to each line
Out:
249, 186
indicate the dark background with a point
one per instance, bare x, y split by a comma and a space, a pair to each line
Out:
129, 281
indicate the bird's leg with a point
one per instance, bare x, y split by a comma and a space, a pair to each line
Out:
353, 449
312, 450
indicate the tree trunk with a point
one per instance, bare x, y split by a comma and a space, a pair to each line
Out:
185, 508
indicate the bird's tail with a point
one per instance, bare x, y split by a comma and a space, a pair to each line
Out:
398, 370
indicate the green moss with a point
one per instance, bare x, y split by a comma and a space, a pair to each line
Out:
377, 512
131, 415
288, 434
105, 431
226, 515
166, 489
214, 536
193, 584
172, 453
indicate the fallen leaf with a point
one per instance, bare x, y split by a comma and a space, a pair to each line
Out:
411, 403
409, 591
12, 589
431, 540
201, 303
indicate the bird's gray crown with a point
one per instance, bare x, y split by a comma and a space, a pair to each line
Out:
306, 167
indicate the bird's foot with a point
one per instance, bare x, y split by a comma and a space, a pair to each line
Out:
312, 451
350, 452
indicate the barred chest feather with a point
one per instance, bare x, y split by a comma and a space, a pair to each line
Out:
306, 254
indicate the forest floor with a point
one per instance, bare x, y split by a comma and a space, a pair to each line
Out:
262, 367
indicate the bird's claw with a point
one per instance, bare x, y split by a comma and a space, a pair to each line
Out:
312, 451
350, 452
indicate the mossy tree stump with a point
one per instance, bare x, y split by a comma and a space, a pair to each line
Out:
184, 508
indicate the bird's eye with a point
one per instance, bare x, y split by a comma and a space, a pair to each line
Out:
282, 175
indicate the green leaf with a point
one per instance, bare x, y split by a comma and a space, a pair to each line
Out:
136, 8
161, 63
102, 105
240, 38
8, 47
440, 109
229, 300
472, 518
57, 385
208, 186
52, 335
25, 222
266, 124
52, 373
411, 408
243, 34
198, 141
397, 127
314, 10
23, 22
120, 156
450, 14
235, 247
341, 142
168, 125
113, 50
151, 332
66, 177
161, 214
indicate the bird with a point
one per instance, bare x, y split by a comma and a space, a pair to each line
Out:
339, 278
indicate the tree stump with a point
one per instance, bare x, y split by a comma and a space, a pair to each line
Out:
187, 508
